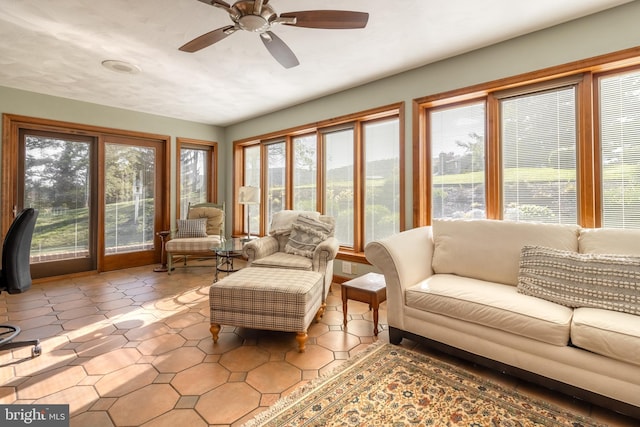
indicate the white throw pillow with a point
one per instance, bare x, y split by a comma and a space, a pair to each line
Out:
306, 234
282, 220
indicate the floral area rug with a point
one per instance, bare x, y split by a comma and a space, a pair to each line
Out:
388, 385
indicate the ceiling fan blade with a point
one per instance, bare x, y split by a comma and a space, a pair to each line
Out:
279, 50
329, 19
207, 39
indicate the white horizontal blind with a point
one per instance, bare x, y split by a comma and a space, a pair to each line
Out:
276, 178
620, 150
305, 165
538, 133
339, 192
382, 178
252, 167
458, 162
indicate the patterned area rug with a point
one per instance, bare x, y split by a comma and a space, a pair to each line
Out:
388, 385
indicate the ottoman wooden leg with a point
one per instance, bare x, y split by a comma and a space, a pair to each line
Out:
302, 337
215, 328
321, 311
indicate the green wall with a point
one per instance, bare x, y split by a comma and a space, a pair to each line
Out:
31, 104
605, 32
609, 31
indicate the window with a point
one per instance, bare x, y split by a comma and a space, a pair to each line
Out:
196, 171
305, 170
620, 149
382, 179
251, 177
457, 161
99, 193
58, 179
350, 168
538, 134
532, 173
340, 188
561, 145
276, 176
129, 207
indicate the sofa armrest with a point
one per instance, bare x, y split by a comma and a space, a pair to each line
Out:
260, 248
404, 259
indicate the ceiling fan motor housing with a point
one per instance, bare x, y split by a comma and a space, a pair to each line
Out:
248, 21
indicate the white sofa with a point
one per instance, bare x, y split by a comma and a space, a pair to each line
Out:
455, 286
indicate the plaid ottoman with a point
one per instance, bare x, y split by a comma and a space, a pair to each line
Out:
268, 298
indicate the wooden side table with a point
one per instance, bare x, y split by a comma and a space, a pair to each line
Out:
370, 288
163, 256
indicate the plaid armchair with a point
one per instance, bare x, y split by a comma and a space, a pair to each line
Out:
196, 235
298, 240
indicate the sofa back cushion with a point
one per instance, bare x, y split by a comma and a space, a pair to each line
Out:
490, 249
609, 241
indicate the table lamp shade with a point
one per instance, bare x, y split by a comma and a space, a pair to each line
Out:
249, 195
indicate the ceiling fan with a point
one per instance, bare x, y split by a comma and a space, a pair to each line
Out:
259, 17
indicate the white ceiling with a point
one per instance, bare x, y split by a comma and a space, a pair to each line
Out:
56, 47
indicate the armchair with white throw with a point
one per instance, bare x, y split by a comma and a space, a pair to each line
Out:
299, 240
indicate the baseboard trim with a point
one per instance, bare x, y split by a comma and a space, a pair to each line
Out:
340, 279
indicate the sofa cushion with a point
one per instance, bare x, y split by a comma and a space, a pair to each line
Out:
306, 234
490, 249
191, 228
193, 244
609, 333
284, 260
494, 305
610, 282
609, 241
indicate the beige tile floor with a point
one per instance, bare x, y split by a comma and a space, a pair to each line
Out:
133, 348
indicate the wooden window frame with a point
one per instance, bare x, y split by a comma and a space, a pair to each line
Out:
356, 119
11, 126
212, 175
585, 72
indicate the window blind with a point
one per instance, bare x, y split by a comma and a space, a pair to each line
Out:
538, 134
458, 161
620, 149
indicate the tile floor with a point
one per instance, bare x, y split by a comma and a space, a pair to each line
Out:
133, 348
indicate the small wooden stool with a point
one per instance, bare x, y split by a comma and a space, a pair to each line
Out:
370, 288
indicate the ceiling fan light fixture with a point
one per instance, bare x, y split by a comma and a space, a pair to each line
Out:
253, 23
121, 66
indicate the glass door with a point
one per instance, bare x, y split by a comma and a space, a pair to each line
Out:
57, 170
131, 201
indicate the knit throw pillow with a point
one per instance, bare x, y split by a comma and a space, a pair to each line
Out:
306, 234
191, 228
610, 282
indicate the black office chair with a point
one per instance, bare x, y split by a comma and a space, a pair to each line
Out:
15, 276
